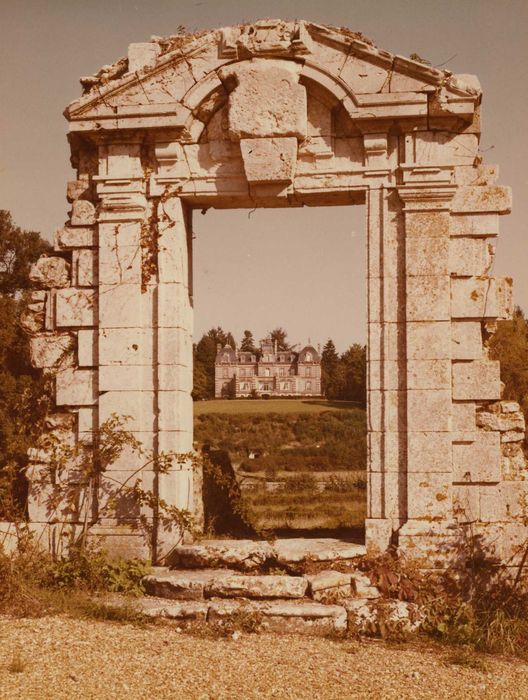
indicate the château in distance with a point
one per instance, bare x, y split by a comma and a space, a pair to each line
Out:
271, 372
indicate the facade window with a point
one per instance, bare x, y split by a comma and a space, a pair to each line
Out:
308, 386
242, 372
267, 372
308, 371
281, 372
226, 372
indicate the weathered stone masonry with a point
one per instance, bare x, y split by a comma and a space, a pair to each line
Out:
290, 114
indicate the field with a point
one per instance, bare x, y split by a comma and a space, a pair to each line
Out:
282, 406
300, 464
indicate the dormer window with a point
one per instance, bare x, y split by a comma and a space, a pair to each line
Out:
308, 357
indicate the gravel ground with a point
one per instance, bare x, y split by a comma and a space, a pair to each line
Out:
67, 658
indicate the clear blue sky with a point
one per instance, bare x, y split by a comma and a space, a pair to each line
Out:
310, 289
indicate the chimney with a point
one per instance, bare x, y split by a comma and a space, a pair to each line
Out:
275, 346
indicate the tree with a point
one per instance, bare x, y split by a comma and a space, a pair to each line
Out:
204, 354
510, 345
354, 362
331, 376
279, 336
24, 391
18, 250
247, 344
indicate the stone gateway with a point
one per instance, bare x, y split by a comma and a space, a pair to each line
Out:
288, 114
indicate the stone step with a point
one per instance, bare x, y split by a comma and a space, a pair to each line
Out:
251, 555
197, 584
207, 583
281, 616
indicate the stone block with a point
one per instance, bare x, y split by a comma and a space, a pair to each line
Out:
386, 299
49, 350
184, 611
274, 586
329, 586
491, 503
427, 256
514, 498
125, 306
126, 346
269, 159
175, 377
386, 450
75, 307
428, 298
177, 441
428, 340
378, 535
67, 238
82, 213
126, 378
174, 347
386, 341
184, 585
466, 340
470, 257
84, 268
429, 495
174, 309
445, 148
385, 375
86, 420
363, 587
139, 405
429, 374
502, 422
478, 380
174, 408
429, 410
479, 460
50, 272
87, 348
267, 99
386, 410
428, 451
142, 55
242, 555
76, 189
427, 224
463, 417
481, 297
493, 199
120, 253
76, 387
466, 502
474, 225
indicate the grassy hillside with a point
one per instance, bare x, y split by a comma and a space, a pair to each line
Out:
311, 469
281, 406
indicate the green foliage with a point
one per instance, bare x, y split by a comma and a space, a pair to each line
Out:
29, 574
510, 345
18, 250
24, 391
204, 354
315, 441
279, 335
247, 344
344, 377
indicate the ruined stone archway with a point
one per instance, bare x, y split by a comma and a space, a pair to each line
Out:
292, 114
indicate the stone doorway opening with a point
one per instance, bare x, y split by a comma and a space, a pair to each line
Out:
292, 455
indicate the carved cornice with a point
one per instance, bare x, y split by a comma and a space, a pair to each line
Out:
426, 198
